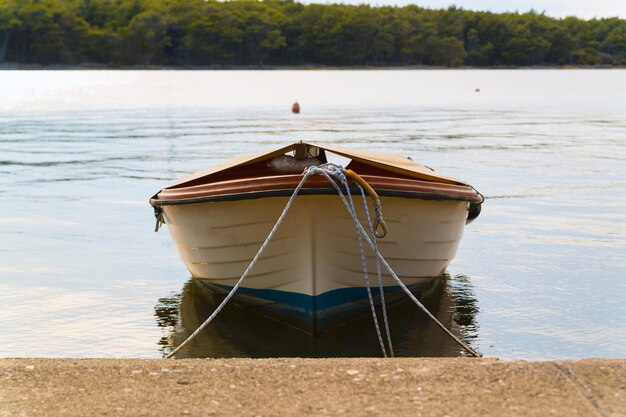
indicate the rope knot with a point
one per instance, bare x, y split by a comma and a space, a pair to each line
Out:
380, 222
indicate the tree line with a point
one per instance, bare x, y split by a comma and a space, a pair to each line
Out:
284, 32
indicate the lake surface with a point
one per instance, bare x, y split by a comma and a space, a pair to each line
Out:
540, 274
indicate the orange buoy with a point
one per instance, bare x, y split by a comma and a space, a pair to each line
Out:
295, 107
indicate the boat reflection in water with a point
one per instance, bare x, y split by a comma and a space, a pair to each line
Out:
238, 332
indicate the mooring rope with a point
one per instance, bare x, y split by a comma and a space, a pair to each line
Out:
419, 304
248, 269
327, 170
381, 290
399, 281
338, 172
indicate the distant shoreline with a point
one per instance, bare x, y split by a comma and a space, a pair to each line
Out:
243, 34
63, 67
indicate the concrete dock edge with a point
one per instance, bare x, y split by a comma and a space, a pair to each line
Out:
312, 387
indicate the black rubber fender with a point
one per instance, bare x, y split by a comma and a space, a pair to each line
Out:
473, 212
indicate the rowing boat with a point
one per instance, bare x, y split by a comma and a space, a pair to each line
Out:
311, 274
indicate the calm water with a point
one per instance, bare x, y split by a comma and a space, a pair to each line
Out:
540, 274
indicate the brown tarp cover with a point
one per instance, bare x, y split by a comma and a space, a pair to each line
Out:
390, 163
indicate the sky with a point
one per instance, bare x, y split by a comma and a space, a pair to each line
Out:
586, 9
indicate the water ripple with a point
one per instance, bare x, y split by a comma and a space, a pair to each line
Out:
538, 275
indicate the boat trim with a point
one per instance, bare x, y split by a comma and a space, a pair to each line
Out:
311, 191
283, 185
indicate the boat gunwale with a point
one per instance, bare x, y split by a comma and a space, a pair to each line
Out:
252, 195
284, 185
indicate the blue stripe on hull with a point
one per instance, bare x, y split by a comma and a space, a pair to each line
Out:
313, 314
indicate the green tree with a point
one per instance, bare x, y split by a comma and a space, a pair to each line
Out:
144, 39
448, 51
614, 43
42, 37
9, 25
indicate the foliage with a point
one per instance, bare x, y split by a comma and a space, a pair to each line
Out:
283, 32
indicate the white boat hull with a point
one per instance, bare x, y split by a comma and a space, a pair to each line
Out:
311, 273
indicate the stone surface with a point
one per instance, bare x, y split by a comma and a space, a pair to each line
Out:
302, 387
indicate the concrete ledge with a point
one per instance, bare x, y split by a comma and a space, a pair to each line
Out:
303, 387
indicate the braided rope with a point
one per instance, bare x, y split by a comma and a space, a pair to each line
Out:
338, 172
